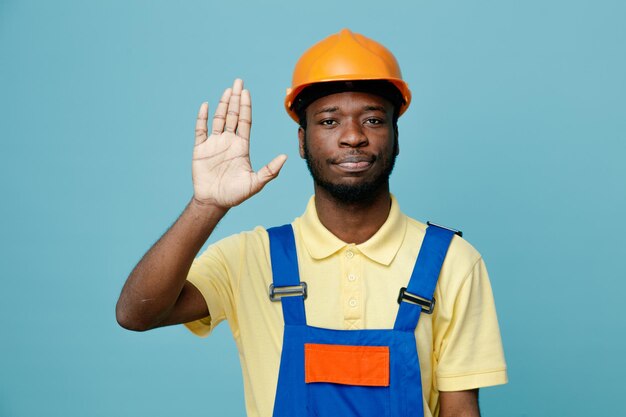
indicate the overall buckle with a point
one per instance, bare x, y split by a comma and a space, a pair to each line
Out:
276, 293
427, 305
455, 231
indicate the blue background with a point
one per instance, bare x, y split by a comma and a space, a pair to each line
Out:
515, 135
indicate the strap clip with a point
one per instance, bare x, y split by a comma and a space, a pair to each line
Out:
455, 231
276, 293
427, 305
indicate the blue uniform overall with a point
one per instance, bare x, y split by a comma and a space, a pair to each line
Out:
365, 373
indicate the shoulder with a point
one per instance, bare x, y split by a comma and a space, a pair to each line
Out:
237, 246
253, 242
459, 247
460, 260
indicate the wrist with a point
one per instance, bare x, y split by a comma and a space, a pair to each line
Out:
207, 207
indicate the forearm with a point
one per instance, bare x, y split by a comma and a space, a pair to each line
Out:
155, 284
459, 404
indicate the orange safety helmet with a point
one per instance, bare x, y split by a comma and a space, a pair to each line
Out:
345, 56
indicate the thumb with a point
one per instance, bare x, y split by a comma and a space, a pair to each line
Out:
269, 172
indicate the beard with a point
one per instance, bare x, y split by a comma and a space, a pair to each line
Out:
352, 193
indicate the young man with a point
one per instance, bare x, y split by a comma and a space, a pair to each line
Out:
348, 328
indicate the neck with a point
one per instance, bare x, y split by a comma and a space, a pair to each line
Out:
353, 222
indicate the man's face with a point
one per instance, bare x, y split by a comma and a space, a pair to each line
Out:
350, 145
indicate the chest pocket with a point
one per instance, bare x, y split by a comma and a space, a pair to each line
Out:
347, 365
347, 380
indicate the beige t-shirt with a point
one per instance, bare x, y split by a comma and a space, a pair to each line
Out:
353, 287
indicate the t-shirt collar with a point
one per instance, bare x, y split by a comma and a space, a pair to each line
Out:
381, 248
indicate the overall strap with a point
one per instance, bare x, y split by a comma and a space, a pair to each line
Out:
418, 295
286, 286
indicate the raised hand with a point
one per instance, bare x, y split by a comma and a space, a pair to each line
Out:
221, 169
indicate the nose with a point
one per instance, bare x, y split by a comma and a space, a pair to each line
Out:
353, 136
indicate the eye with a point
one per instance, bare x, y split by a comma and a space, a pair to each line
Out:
374, 121
328, 122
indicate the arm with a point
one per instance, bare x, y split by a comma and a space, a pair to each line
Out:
459, 404
156, 293
467, 340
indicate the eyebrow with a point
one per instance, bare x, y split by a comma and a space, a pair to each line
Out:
375, 108
333, 109
326, 110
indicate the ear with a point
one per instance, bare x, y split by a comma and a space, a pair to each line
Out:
301, 135
397, 144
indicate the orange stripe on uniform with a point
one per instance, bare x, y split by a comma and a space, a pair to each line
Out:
349, 365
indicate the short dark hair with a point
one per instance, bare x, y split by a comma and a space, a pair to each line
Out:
382, 88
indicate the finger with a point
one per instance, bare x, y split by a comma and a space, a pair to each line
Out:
201, 123
269, 172
220, 113
232, 115
245, 115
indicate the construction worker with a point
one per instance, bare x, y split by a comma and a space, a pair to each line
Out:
354, 309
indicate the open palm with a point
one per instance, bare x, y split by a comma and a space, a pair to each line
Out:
221, 169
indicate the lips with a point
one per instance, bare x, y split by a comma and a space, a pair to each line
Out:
354, 163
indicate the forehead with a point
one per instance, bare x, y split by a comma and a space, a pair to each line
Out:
350, 101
